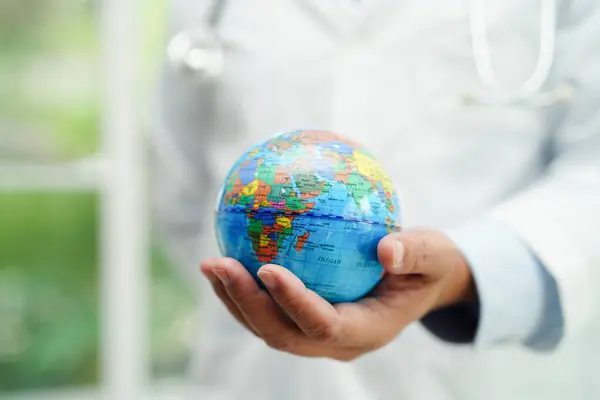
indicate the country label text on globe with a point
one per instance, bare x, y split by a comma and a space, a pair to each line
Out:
313, 202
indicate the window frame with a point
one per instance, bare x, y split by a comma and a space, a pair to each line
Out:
118, 176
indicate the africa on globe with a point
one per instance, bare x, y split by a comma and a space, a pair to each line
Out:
313, 202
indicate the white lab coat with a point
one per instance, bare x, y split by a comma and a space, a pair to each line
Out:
392, 76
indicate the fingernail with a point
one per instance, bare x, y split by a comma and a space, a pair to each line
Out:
222, 275
398, 255
268, 279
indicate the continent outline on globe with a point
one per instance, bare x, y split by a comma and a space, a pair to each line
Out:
316, 203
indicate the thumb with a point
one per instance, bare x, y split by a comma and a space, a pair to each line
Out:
423, 252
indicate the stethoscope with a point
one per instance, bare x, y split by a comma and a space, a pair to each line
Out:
531, 91
200, 53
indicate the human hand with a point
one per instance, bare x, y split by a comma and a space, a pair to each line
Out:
424, 271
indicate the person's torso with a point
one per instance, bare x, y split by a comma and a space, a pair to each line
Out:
394, 77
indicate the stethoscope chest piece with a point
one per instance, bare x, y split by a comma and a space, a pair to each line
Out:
197, 53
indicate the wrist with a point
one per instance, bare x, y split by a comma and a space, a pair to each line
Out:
459, 286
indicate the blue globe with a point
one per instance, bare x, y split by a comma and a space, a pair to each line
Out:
315, 203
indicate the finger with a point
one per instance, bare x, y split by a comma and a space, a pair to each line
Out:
257, 307
268, 320
219, 289
424, 252
317, 318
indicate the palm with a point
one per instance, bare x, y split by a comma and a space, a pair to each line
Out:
295, 319
396, 301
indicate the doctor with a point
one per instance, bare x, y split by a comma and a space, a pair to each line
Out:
487, 117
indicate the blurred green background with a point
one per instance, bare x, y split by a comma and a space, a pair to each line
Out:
50, 98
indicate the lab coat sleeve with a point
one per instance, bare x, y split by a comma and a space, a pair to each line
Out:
517, 297
181, 132
178, 173
556, 218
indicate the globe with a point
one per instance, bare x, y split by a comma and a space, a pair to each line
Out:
313, 202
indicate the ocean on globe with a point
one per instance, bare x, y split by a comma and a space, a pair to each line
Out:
313, 202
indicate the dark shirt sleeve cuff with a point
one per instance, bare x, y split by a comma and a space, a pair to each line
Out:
456, 324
